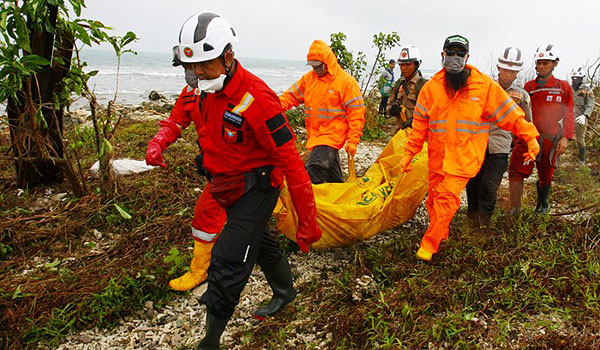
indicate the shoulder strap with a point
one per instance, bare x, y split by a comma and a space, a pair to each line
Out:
420, 84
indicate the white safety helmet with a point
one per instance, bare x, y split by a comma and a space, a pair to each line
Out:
546, 52
203, 37
578, 73
409, 53
511, 59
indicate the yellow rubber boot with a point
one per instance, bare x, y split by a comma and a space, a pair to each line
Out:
424, 255
198, 268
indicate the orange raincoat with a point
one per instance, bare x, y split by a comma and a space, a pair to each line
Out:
456, 127
333, 104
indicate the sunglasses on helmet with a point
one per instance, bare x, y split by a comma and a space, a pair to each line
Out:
461, 53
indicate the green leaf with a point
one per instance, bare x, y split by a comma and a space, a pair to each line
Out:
127, 39
22, 34
34, 61
76, 6
81, 34
122, 211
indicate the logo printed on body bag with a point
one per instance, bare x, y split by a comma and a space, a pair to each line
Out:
549, 98
558, 99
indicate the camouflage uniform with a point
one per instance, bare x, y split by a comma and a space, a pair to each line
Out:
405, 94
583, 103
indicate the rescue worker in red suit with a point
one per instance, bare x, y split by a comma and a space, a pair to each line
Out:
552, 109
248, 149
209, 216
453, 114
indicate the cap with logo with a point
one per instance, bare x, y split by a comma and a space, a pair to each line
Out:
457, 40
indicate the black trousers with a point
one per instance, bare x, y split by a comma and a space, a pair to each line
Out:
324, 165
482, 189
244, 241
383, 104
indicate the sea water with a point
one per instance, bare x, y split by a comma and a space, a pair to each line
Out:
139, 74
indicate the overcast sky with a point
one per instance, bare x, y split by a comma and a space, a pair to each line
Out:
285, 29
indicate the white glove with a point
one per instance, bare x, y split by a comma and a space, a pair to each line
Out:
581, 119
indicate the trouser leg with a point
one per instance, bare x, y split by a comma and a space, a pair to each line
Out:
243, 239
494, 167
209, 218
442, 203
324, 165
383, 104
517, 172
580, 130
473, 189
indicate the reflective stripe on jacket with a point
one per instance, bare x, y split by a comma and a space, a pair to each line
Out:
333, 104
456, 125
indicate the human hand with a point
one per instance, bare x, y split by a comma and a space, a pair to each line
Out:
582, 119
533, 148
405, 165
351, 148
562, 146
154, 154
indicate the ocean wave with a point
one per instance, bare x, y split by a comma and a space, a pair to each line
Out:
150, 74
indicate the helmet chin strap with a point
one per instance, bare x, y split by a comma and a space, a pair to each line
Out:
228, 69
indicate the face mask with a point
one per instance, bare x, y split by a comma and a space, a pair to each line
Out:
212, 85
454, 64
190, 78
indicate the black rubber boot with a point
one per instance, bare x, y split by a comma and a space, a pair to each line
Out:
280, 279
543, 192
582, 155
214, 329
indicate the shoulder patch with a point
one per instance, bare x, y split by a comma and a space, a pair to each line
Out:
188, 98
282, 136
276, 122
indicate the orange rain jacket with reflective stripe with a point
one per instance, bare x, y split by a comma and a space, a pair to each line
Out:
333, 104
457, 125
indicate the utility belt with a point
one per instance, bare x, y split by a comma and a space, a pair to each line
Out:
228, 189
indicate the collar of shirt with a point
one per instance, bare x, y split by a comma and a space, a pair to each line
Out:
233, 84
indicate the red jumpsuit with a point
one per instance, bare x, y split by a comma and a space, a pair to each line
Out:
248, 148
209, 216
552, 109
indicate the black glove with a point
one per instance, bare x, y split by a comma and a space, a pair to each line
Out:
200, 167
395, 109
406, 124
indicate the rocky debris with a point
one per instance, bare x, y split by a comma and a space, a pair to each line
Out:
156, 96
49, 200
365, 288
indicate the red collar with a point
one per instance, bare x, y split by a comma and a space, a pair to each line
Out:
551, 82
235, 82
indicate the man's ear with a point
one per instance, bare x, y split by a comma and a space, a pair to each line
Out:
467, 57
229, 55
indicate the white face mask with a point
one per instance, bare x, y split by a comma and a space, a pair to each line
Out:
212, 85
